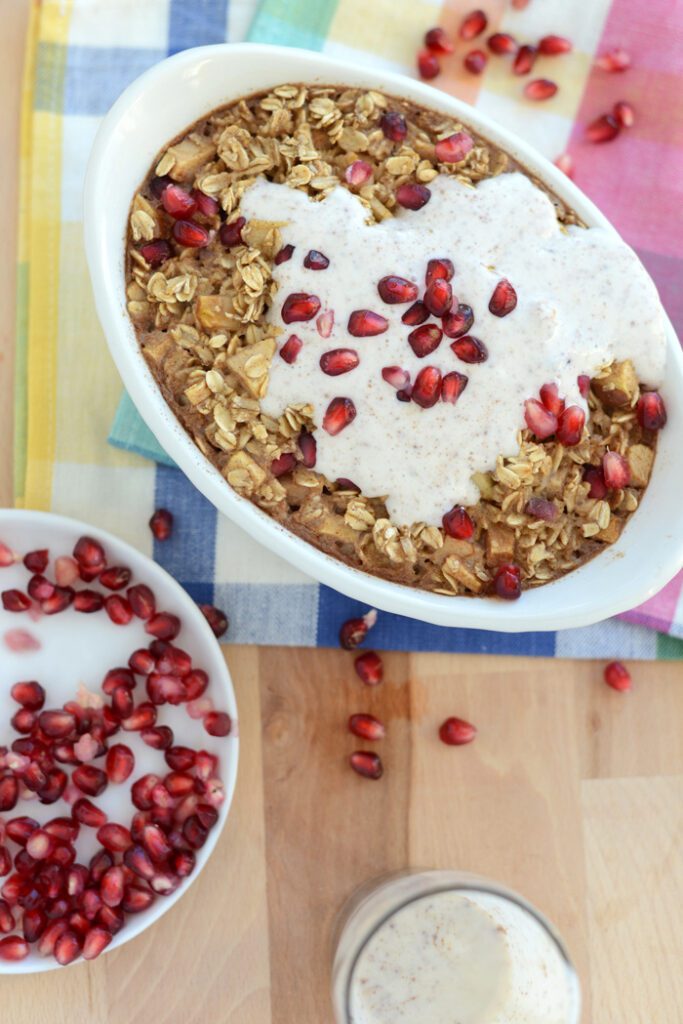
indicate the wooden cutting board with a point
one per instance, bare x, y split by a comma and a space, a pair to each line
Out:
571, 793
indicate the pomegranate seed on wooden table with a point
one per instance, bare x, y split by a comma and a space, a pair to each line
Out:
366, 727
367, 764
618, 676
455, 732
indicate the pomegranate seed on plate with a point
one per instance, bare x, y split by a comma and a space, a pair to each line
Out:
177, 202
161, 524
156, 843
89, 554
396, 376
565, 164
230, 234
452, 386
183, 863
285, 464
603, 129
95, 942
624, 113
29, 695
23, 721
315, 260
424, 340
19, 829
58, 601
651, 411
412, 196
163, 689
338, 361
136, 899
163, 626
36, 561
541, 508
427, 387
156, 252
393, 126
473, 24
367, 727
475, 61
308, 447
395, 290
615, 470
593, 476
550, 46
115, 577
141, 600
119, 763
570, 426
291, 348
15, 601
470, 349
9, 793
159, 737
39, 588
428, 64
353, 631
618, 676
613, 60
366, 764
7, 922
206, 205
540, 89
90, 780
34, 924
13, 948
115, 838
66, 571
285, 253
363, 323
5, 862
369, 668
7, 556
141, 791
180, 758
64, 829
455, 732
57, 724
458, 524
504, 298
417, 314
524, 60
438, 41
88, 601
540, 421
217, 619
217, 723
339, 414
454, 148
20, 640
358, 173
142, 662
143, 717
299, 306
459, 321
502, 43
551, 398
508, 582
118, 609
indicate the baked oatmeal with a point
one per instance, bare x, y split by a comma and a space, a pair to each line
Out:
393, 340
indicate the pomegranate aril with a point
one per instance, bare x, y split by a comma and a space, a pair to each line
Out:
217, 723
159, 737
95, 942
417, 314
427, 387
180, 758
19, 829
20, 641
570, 426
396, 376
438, 41
7, 556
584, 384
541, 508
615, 470
452, 386
77, 880
367, 727
651, 413
618, 676
5, 862
207, 814
540, 89
206, 765
13, 948
428, 64
455, 732
118, 609
36, 561
144, 716
438, 297
122, 702
40, 844
353, 631
161, 524
57, 724
163, 689
364, 323
15, 601
90, 903
299, 307
551, 45
112, 918
339, 414
39, 588
502, 43
136, 899
7, 922
231, 234
63, 856
358, 173
470, 349
454, 148
315, 260
196, 683
565, 163
285, 253
183, 863
46, 943
613, 60
366, 764
177, 202
206, 205
156, 843
393, 126
67, 947
459, 321
473, 24
291, 348
369, 668
504, 299
115, 838
195, 832
156, 251
338, 361
60, 599
412, 196
394, 290
424, 340
117, 677
89, 554
457, 523
508, 582
34, 924
67, 571
90, 780
216, 618
593, 476
624, 113
524, 61
30, 695
440, 269
12, 888
88, 601
190, 235
163, 625
475, 61
603, 129
551, 399
115, 577
540, 421
112, 886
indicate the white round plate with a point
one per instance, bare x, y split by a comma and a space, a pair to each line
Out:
78, 648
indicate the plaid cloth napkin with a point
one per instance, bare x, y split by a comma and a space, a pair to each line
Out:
81, 54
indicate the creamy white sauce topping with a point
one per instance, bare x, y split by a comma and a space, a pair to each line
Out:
461, 959
584, 299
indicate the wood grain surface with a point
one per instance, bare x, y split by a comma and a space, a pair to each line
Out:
573, 794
